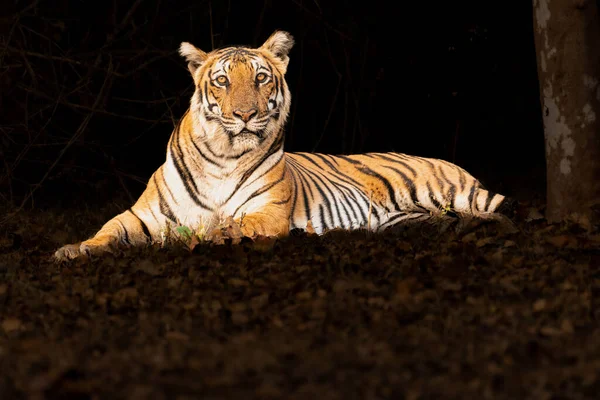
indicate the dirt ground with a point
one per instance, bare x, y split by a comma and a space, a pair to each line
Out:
415, 313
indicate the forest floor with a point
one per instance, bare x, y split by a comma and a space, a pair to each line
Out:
414, 313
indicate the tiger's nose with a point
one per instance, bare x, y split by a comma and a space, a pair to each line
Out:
245, 115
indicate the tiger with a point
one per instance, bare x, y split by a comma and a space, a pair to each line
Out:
225, 158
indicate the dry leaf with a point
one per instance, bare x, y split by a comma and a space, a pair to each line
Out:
550, 331
561, 241
582, 220
216, 236
174, 335
451, 286
125, 295
193, 242
469, 237
567, 326
259, 302
237, 282
484, 241
533, 215
11, 324
539, 305
149, 267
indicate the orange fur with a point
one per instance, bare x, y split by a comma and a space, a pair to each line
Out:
225, 159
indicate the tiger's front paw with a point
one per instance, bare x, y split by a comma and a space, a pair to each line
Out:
68, 252
92, 247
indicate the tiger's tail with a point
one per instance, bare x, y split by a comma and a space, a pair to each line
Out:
483, 203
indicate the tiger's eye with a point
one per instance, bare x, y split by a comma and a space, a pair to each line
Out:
261, 77
221, 80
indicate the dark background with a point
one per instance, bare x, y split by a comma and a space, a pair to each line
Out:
91, 89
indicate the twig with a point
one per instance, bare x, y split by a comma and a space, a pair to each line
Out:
455, 141
120, 178
173, 119
135, 101
29, 7
259, 24
335, 96
86, 108
145, 64
321, 20
210, 18
82, 128
24, 152
123, 23
58, 58
355, 97
297, 92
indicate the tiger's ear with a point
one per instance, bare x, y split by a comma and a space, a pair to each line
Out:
279, 44
194, 56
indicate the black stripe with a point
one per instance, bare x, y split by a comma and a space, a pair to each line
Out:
395, 161
167, 186
462, 179
322, 216
427, 161
346, 191
126, 238
435, 201
392, 195
260, 191
183, 171
332, 158
340, 175
275, 147
300, 179
410, 185
394, 220
295, 194
470, 198
348, 159
312, 176
284, 201
405, 217
143, 225
452, 189
216, 164
165, 209
356, 185
488, 201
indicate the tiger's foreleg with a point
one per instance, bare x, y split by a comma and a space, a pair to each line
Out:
271, 220
126, 229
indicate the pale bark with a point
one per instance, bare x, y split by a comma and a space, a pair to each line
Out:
567, 41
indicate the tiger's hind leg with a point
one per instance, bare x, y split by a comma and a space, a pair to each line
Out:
402, 218
125, 229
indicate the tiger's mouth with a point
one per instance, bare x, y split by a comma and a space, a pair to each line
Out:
246, 132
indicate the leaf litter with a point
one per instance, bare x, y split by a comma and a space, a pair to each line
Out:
415, 312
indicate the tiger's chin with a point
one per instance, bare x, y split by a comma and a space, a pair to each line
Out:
246, 140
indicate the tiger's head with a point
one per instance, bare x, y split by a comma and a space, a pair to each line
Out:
241, 98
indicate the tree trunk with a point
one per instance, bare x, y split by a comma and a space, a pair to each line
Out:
567, 41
